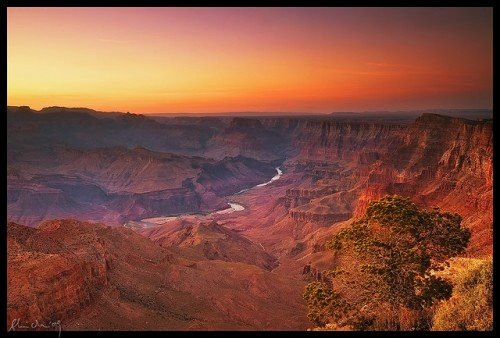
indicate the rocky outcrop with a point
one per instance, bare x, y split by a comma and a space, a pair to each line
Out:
299, 196
316, 274
56, 279
210, 241
90, 276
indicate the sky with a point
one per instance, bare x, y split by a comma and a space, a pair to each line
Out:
186, 60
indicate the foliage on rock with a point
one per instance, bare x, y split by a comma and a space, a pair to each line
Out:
396, 249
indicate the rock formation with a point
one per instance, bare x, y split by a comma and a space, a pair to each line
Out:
240, 270
94, 277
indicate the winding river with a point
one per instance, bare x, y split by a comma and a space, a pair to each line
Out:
275, 178
233, 207
238, 207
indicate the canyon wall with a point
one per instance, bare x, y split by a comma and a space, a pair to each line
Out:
128, 167
436, 161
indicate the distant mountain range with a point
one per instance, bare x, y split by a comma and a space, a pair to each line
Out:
376, 114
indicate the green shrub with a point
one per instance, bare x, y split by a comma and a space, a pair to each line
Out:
324, 304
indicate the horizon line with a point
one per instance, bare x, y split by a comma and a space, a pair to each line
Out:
250, 112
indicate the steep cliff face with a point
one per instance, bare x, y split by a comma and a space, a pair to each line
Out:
330, 141
436, 161
295, 197
56, 276
456, 171
246, 137
455, 146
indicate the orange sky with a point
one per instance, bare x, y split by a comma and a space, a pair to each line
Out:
171, 60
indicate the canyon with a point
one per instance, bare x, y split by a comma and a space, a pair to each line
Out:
121, 221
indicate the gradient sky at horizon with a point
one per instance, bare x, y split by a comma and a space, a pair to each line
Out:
174, 60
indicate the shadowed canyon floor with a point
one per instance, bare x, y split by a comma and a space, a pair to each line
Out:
185, 259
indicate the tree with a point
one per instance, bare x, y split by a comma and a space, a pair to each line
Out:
393, 253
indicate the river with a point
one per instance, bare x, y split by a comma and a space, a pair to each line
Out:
233, 207
275, 178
